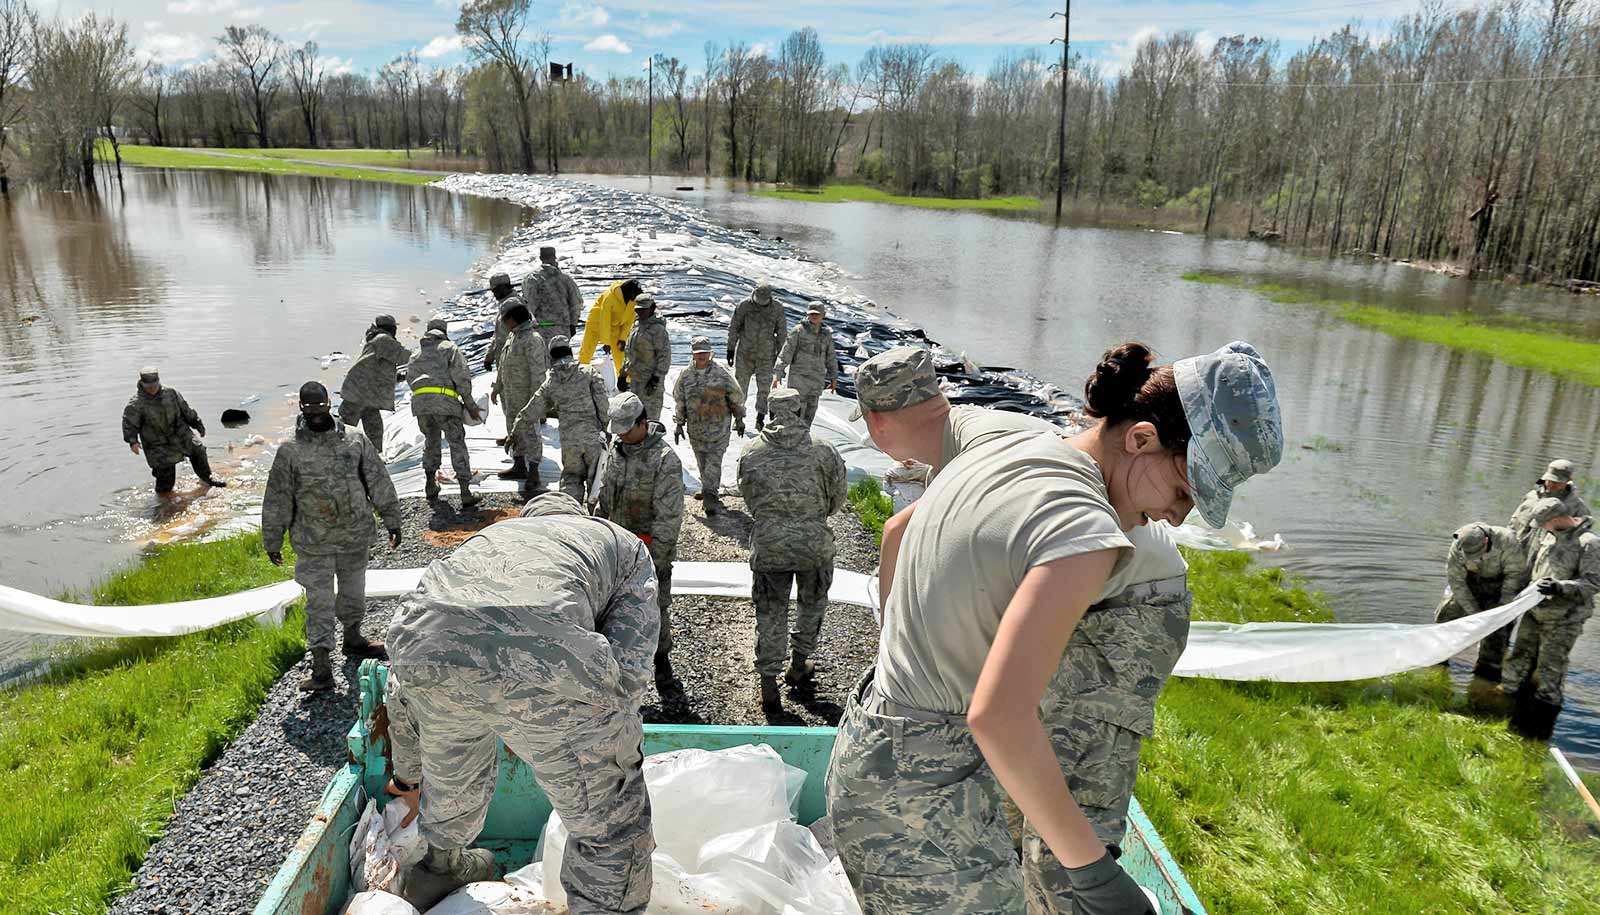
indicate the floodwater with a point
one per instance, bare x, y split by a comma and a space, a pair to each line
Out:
234, 285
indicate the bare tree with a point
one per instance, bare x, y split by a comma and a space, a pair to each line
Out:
255, 57
18, 23
306, 75
149, 97
494, 30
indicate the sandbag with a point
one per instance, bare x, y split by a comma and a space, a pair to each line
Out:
379, 903
496, 898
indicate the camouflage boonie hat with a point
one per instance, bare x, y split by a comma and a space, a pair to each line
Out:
1474, 539
700, 345
552, 503
1546, 509
1235, 426
150, 374
498, 280
626, 411
902, 377
784, 402
1559, 472
763, 293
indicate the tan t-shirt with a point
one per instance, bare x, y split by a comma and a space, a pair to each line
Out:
968, 427
993, 514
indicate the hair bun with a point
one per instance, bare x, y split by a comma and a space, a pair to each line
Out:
1123, 370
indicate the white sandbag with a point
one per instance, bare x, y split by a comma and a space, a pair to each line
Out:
381, 849
378, 903
493, 897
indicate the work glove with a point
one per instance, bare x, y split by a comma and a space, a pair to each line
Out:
622, 383
275, 556
394, 538
1104, 888
677, 435
1548, 587
738, 424
651, 385
200, 429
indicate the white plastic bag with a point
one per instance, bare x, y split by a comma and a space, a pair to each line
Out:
379, 903
495, 898
381, 848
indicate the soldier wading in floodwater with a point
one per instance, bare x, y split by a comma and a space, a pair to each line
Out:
157, 423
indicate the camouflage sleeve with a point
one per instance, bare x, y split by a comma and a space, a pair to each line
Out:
838, 480
380, 489
831, 357
190, 417
392, 350
679, 411
405, 744
663, 355
1455, 573
539, 359
1584, 587
499, 340
602, 402
785, 357
735, 326
277, 506
631, 620
574, 301
741, 472
460, 375
778, 330
735, 395
609, 476
132, 419
668, 504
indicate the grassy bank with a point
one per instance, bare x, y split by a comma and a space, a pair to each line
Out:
842, 193
94, 758
168, 157
1378, 796
1554, 354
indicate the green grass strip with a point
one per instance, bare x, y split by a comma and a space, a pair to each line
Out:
872, 505
396, 158
842, 193
94, 758
168, 157
1554, 354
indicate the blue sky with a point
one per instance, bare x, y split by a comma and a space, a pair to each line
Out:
603, 37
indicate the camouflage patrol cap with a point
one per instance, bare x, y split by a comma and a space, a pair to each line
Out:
150, 374
626, 411
1559, 472
700, 344
498, 280
1546, 509
784, 403
387, 322
551, 503
438, 323
816, 308
763, 293
559, 341
1474, 538
1235, 426
645, 300
547, 253
902, 377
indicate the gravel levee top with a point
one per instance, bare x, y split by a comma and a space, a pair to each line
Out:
232, 831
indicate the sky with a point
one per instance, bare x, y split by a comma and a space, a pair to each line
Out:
602, 37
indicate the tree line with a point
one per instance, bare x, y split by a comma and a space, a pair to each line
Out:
1460, 135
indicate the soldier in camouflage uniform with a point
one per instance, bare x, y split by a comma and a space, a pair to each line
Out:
323, 488
579, 393
441, 387
157, 423
754, 337
648, 355
552, 295
1486, 568
1556, 483
539, 631
705, 397
524, 361
368, 388
808, 362
790, 484
1565, 568
506, 296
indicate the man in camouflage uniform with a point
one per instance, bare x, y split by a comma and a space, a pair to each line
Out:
642, 490
323, 488
523, 363
538, 634
648, 355
754, 337
441, 387
506, 296
579, 393
368, 388
705, 397
552, 295
1486, 568
808, 363
1556, 483
790, 484
1565, 568
157, 423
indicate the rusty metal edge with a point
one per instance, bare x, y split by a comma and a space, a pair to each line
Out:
279, 898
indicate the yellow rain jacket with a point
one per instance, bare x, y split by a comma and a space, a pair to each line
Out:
609, 323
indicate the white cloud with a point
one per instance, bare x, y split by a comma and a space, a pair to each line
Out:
442, 45
609, 43
246, 15
159, 45
761, 49
338, 66
312, 27
662, 31
583, 14
1119, 57
191, 7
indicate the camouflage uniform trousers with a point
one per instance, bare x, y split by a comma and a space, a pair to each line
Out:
808, 406
452, 431
370, 419
770, 593
1542, 651
1097, 711
445, 727
759, 367
530, 444
653, 398
1492, 650
167, 477
917, 814
317, 573
664, 601
708, 460
580, 460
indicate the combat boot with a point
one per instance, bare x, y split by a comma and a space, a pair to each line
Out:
321, 678
761, 421
530, 485
432, 487
468, 497
359, 646
1533, 717
517, 471
771, 702
801, 670
442, 872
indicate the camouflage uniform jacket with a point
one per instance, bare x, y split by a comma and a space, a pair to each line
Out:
370, 381
1506, 559
808, 363
1522, 519
524, 361
566, 602
438, 364
492, 355
160, 423
553, 298
791, 483
323, 488
649, 354
706, 400
579, 393
643, 491
1572, 558
757, 330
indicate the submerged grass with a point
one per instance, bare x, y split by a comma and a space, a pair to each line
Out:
94, 757
841, 193
168, 157
1555, 354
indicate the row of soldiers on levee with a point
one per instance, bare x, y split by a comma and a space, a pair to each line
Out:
1550, 542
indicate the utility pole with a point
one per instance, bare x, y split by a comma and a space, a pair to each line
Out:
650, 118
1061, 132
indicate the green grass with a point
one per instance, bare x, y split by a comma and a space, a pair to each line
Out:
396, 158
1554, 354
872, 505
841, 193
1322, 443
94, 757
168, 157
